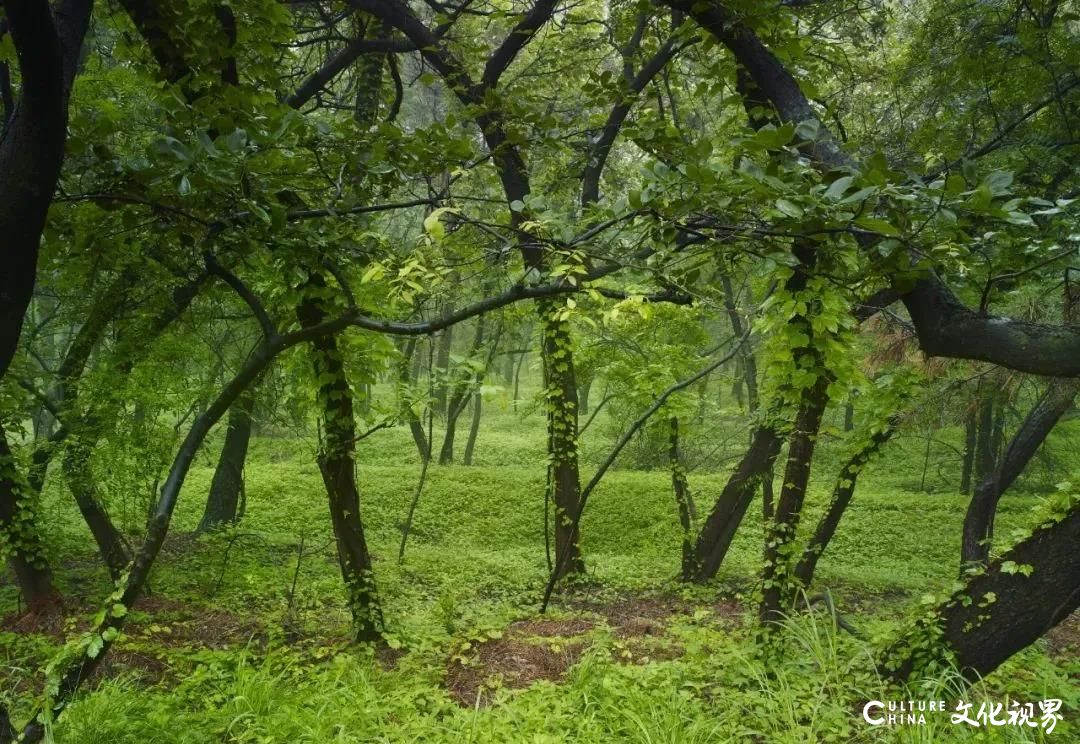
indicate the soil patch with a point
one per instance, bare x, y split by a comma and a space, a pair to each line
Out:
552, 628
510, 662
1064, 638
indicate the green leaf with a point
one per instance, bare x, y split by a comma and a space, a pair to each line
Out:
93, 648
433, 226
838, 187
790, 208
879, 226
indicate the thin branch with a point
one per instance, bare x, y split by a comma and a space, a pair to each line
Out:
269, 330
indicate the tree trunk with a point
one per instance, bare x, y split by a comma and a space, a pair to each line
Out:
442, 363
562, 415
83, 486
517, 378
446, 454
681, 489
223, 501
460, 391
746, 367
841, 497
780, 530
984, 441
32, 147
474, 428
1019, 597
971, 427
337, 462
979, 521
715, 538
405, 378
26, 554
7, 730
583, 397
727, 513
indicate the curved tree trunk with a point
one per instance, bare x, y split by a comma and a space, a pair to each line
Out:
32, 146
716, 535
81, 483
474, 428
223, 501
1020, 596
337, 464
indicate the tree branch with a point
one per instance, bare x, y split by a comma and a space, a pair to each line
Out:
254, 304
339, 62
521, 34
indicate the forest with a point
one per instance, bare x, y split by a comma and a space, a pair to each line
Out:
540, 371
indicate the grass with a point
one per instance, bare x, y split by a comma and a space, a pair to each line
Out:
224, 650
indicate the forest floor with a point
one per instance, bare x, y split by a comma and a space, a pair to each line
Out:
244, 635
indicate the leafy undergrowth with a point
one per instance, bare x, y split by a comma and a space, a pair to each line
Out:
244, 636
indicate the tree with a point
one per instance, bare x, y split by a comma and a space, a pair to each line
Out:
48, 44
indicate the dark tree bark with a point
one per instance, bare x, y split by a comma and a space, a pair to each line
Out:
715, 538
841, 497
25, 552
755, 467
47, 44
222, 503
1026, 592
716, 535
979, 520
369, 70
7, 731
337, 464
681, 489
